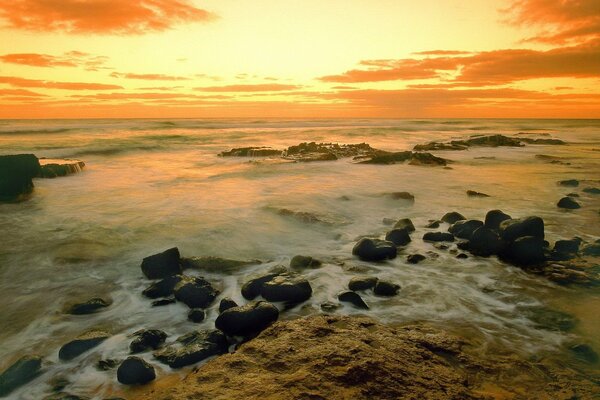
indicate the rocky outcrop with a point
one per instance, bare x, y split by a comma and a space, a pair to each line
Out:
251, 152
16, 176
192, 348
306, 152
413, 158
52, 168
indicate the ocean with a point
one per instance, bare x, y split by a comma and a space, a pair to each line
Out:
153, 184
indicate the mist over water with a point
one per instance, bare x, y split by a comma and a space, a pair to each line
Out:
150, 185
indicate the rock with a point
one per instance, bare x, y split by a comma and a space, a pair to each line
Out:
368, 249
107, 364
215, 264
465, 228
415, 258
88, 307
585, 352
434, 224
493, 141
437, 146
405, 223
472, 193
329, 307
399, 237
414, 158
51, 168
385, 288
353, 298
305, 152
195, 292
402, 196
196, 315
58, 383
305, 217
226, 303
543, 141
462, 256
164, 302
438, 237
147, 339
550, 320
81, 344
485, 242
569, 183
592, 190
362, 283
247, 320
163, 288
388, 221
525, 251
163, 264
251, 152
65, 396
16, 174
18, 374
302, 262
288, 287
452, 217
252, 288
494, 218
192, 348
135, 371
427, 159
568, 203
592, 249
513, 229
567, 246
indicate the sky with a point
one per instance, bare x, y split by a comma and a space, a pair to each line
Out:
300, 58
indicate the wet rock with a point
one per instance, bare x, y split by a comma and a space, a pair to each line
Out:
568, 203
415, 258
304, 216
19, 373
302, 262
215, 264
405, 223
569, 183
438, 237
388, 221
592, 249
192, 348
368, 249
163, 288
414, 158
472, 193
462, 256
567, 246
252, 288
525, 251
226, 303
551, 320
58, 383
164, 302
464, 229
438, 146
88, 307
50, 168
16, 174
312, 151
592, 190
146, 339
452, 217
353, 298
494, 218
81, 344
251, 152
195, 292
288, 287
107, 364
362, 283
427, 159
385, 288
585, 352
485, 242
163, 264
402, 196
329, 307
493, 141
433, 224
247, 320
399, 237
513, 229
196, 315
65, 396
544, 141
135, 371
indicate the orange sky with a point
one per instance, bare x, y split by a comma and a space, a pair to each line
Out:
292, 58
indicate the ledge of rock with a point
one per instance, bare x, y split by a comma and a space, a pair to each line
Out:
52, 168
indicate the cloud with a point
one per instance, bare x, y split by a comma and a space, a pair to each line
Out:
271, 87
31, 83
149, 77
20, 92
442, 53
130, 17
69, 59
146, 96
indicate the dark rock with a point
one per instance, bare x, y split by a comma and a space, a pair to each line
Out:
527, 250
196, 315
247, 320
465, 228
192, 348
494, 218
513, 229
251, 152
301, 262
215, 264
592, 249
252, 288
65, 396
19, 373
427, 159
567, 246
399, 237
58, 168
415, 258
226, 303
327, 151
592, 190
288, 287
88, 307
305, 217
164, 302
384, 288
329, 307
405, 223
107, 364
368, 249
147, 339
472, 193
16, 174
437, 146
58, 383
462, 256
543, 141
438, 237
550, 320
568, 203
389, 158
452, 217
402, 196
163, 288
585, 352
135, 371
163, 264
81, 344
573, 195
353, 298
492, 141
569, 183
433, 224
195, 292
362, 283
485, 242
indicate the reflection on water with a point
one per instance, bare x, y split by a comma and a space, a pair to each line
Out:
152, 184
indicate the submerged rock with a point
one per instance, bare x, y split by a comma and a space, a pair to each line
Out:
247, 320
568, 203
163, 264
192, 348
385, 288
368, 249
306, 152
402, 196
135, 371
399, 237
16, 176
147, 339
414, 158
215, 264
452, 217
18, 374
81, 344
592, 190
415, 258
433, 224
585, 352
362, 283
251, 152
569, 183
353, 298
88, 307
195, 292
302, 262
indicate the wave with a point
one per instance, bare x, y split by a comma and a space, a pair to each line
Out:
36, 131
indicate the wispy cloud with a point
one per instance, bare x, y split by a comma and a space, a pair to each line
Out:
69, 59
149, 77
33, 83
271, 87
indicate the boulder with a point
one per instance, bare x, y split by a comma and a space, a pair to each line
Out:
362, 283
16, 174
415, 258
592, 190
147, 339
163, 264
226, 303
569, 183
452, 217
485, 242
18, 374
163, 288
195, 292
405, 223
81, 344
88, 307
567, 246
385, 288
247, 320
192, 348
196, 315
368, 249
512, 229
433, 224
353, 298
525, 251
399, 237
288, 287
135, 371
302, 262
494, 218
568, 203
465, 228
438, 237
252, 288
